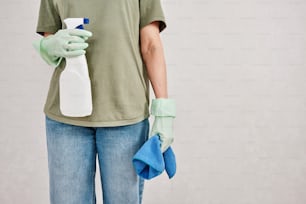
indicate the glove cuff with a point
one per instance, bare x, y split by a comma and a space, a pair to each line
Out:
163, 107
52, 61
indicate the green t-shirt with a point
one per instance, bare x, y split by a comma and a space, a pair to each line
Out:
119, 80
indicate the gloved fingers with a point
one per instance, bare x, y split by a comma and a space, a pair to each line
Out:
75, 46
166, 139
165, 143
85, 38
79, 32
153, 132
74, 53
73, 39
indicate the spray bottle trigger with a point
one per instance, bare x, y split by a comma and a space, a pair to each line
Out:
80, 27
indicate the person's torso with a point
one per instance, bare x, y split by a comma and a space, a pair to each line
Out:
119, 80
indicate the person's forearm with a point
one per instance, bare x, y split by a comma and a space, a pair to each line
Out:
154, 60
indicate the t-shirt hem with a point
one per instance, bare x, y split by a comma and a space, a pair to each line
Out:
97, 123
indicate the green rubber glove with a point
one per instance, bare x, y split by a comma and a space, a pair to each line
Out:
64, 43
164, 111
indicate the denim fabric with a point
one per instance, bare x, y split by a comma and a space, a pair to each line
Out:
72, 154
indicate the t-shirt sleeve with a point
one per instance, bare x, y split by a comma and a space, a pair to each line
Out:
151, 10
48, 18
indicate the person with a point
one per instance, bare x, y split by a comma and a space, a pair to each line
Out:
124, 53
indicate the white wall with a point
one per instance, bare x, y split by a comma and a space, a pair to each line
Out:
237, 71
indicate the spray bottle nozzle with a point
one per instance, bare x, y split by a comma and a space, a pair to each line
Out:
86, 20
76, 22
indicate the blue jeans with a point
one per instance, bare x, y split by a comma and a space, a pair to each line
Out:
72, 154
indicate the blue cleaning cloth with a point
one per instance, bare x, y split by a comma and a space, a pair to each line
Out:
150, 162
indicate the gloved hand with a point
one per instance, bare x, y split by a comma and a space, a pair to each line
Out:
164, 111
64, 43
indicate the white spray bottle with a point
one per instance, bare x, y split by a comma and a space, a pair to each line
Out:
75, 86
